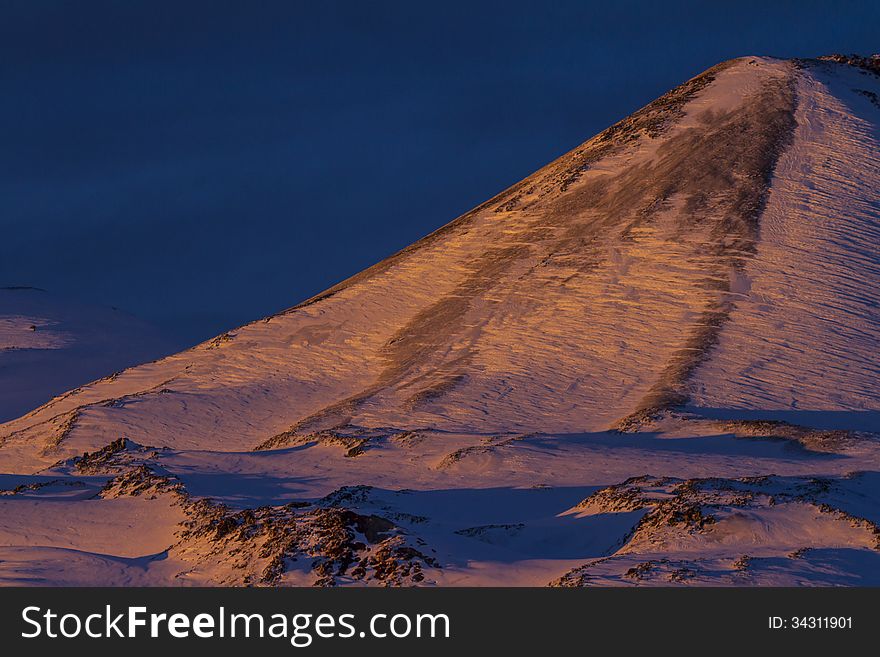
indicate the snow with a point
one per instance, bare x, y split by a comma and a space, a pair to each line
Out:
542, 318
805, 331
472, 386
49, 345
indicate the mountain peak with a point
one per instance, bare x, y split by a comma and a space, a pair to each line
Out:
869, 62
691, 293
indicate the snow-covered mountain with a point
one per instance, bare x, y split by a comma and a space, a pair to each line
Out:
653, 361
49, 345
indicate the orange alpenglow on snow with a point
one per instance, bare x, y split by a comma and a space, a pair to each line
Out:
652, 361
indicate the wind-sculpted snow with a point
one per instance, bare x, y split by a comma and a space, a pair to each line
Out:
590, 297
692, 294
806, 329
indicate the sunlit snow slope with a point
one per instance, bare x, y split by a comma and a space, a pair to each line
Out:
637, 308
806, 329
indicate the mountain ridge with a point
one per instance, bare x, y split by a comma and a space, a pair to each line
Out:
649, 308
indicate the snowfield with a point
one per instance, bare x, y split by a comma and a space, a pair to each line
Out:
805, 332
652, 362
49, 345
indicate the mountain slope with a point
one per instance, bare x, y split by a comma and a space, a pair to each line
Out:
49, 345
805, 330
706, 265
594, 278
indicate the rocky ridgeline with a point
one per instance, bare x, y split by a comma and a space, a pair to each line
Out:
113, 458
354, 441
679, 514
824, 441
870, 63
335, 544
326, 540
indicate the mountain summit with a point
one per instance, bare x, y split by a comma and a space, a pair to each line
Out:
651, 361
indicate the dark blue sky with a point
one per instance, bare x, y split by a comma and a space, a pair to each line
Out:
204, 164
